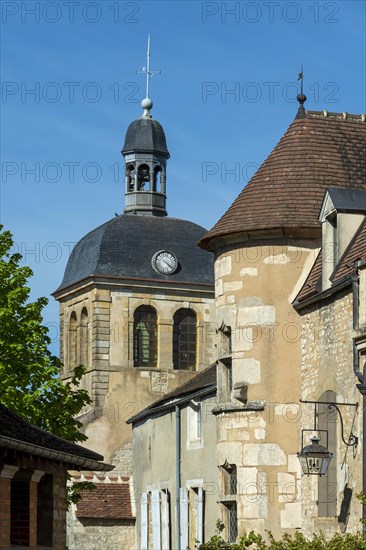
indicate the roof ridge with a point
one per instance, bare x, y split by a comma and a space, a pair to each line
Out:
339, 116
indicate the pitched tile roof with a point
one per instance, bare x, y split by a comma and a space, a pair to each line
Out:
204, 379
19, 434
317, 151
356, 250
107, 501
313, 283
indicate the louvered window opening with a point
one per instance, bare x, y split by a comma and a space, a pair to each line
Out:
145, 337
184, 339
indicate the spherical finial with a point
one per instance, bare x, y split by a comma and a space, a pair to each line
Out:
301, 98
147, 105
301, 113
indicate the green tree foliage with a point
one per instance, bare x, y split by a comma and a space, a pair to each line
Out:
29, 373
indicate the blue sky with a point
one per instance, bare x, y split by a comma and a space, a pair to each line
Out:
225, 96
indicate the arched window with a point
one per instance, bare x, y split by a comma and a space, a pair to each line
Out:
184, 339
145, 337
157, 173
84, 337
143, 177
130, 177
72, 344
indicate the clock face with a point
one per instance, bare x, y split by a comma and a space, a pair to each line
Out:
164, 262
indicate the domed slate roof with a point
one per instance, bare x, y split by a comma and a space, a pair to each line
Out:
124, 247
145, 134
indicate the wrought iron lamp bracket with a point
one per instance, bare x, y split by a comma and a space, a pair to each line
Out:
352, 439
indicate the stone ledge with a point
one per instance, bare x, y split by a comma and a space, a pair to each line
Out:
239, 407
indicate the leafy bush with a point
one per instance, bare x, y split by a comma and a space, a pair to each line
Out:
287, 542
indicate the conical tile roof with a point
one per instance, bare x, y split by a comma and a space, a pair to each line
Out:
318, 151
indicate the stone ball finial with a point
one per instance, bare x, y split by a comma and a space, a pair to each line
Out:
147, 105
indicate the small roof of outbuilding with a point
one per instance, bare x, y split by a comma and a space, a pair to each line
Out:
355, 251
318, 151
16, 433
204, 381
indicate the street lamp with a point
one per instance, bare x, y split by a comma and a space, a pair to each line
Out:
315, 458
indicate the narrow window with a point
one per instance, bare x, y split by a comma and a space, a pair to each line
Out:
232, 522
84, 337
145, 337
184, 339
230, 479
72, 339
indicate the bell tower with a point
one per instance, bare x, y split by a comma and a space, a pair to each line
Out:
145, 153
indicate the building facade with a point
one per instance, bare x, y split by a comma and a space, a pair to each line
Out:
34, 467
265, 245
175, 476
136, 308
284, 325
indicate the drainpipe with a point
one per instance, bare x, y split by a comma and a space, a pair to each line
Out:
177, 471
362, 389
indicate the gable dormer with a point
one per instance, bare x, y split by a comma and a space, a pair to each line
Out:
342, 213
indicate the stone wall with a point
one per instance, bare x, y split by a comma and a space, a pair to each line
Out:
97, 534
327, 364
258, 419
118, 389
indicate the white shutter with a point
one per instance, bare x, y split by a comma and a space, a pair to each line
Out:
165, 527
183, 518
200, 502
156, 527
144, 522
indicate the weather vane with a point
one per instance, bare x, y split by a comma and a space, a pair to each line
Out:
149, 73
301, 77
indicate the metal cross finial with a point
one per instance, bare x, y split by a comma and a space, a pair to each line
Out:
301, 77
149, 73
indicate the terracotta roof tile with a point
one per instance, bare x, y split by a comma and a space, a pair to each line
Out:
356, 250
315, 153
108, 500
313, 283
